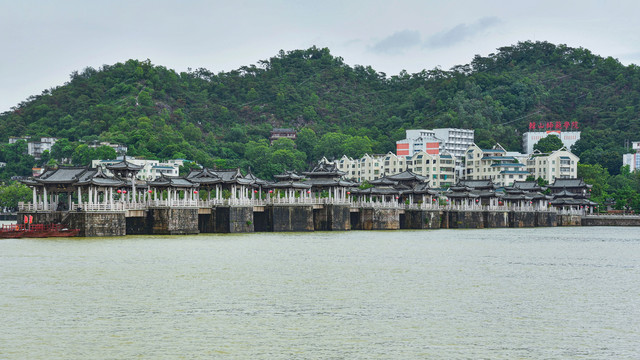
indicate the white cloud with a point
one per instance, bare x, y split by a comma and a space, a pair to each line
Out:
461, 32
398, 42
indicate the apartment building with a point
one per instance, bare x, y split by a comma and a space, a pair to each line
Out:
455, 141
450, 140
633, 159
560, 164
440, 168
36, 148
418, 140
493, 164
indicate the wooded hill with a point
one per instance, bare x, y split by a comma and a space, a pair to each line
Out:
224, 119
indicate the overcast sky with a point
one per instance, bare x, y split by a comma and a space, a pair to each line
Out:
42, 42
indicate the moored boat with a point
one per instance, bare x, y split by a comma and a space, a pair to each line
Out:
36, 231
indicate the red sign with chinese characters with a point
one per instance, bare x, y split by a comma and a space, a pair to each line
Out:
553, 125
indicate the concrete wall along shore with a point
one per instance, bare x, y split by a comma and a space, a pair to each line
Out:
305, 217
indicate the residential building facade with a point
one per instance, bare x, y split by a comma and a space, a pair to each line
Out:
36, 148
450, 140
418, 140
493, 164
439, 168
633, 159
560, 164
455, 141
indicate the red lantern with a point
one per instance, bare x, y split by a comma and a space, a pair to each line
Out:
119, 191
150, 191
255, 191
477, 200
499, 202
397, 198
270, 191
348, 192
195, 191
124, 191
309, 192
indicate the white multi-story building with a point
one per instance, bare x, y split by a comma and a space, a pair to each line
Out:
455, 141
151, 169
450, 140
366, 168
418, 140
36, 148
560, 164
633, 159
493, 164
440, 168
529, 139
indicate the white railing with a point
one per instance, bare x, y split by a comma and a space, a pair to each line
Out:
378, 204
122, 206
171, 203
571, 211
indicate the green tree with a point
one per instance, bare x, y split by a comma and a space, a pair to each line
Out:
331, 145
104, 152
306, 140
11, 195
357, 146
597, 176
82, 155
548, 144
62, 149
186, 168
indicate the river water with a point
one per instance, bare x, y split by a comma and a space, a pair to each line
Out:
544, 293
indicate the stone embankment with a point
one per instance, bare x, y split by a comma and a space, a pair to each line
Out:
299, 217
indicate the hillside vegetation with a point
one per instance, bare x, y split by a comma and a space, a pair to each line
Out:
224, 119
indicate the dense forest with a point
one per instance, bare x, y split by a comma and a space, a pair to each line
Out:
224, 119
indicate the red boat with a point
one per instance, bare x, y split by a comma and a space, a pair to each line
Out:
37, 231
